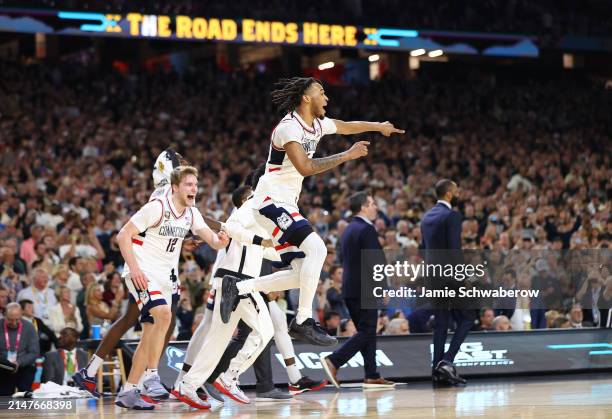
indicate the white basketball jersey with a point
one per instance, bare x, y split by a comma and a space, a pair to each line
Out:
162, 230
281, 181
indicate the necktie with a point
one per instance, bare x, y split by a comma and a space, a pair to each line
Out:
69, 363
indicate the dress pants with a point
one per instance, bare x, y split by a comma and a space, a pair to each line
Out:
363, 341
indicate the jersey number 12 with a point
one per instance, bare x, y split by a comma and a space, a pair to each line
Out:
171, 244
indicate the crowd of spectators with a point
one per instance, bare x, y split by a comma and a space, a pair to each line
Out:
531, 155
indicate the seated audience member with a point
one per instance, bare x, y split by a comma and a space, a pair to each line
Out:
561, 322
97, 310
62, 363
398, 326
332, 322
347, 328
65, 314
382, 323
4, 299
576, 317
19, 355
111, 287
550, 316
501, 324
46, 336
334, 293
40, 293
485, 320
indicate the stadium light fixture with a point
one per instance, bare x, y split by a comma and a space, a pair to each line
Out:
435, 53
373, 58
327, 65
417, 52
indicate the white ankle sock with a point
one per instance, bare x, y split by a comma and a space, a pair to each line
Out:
94, 365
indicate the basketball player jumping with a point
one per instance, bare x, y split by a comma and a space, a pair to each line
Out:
293, 144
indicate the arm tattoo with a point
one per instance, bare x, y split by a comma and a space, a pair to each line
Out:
324, 164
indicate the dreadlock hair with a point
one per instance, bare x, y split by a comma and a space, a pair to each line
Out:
253, 177
288, 95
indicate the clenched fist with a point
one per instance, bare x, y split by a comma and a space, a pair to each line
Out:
358, 150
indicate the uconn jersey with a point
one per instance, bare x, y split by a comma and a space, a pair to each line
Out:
281, 181
158, 247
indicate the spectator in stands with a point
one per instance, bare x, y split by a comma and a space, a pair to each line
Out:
10, 261
347, 328
61, 364
331, 322
550, 292
576, 317
97, 310
40, 293
592, 294
76, 266
561, 322
4, 300
81, 302
550, 317
485, 319
382, 323
111, 288
398, 326
185, 317
26, 251
46, 336
19, 353
334, 293
501, 324
65, 314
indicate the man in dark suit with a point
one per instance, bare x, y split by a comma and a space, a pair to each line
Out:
359, 235
441, 231
61, 364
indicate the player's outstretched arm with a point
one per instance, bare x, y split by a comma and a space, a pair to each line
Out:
357, 127
215, 240
308, 167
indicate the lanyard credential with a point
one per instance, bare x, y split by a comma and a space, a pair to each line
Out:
6, 336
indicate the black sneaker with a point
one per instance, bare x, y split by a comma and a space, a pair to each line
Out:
229, 297
445, 374
306, 384
311, 332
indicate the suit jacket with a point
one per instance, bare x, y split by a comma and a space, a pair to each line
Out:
53, 368
28, 347
441, 230
359, 235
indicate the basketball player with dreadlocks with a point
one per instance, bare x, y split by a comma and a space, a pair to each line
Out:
293, 144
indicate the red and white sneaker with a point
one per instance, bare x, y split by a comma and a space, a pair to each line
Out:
174, 394
306, 384
230, 388
188, 395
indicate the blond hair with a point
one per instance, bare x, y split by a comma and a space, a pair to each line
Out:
180, 172
90, 291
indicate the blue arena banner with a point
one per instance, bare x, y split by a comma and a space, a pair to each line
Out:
245, 30
404, 358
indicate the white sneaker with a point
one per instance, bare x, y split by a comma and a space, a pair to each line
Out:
187, 394
230, 388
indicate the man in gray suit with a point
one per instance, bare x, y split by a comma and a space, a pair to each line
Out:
60, 365
18, 353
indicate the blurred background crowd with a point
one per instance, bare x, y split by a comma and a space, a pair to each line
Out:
531, 155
